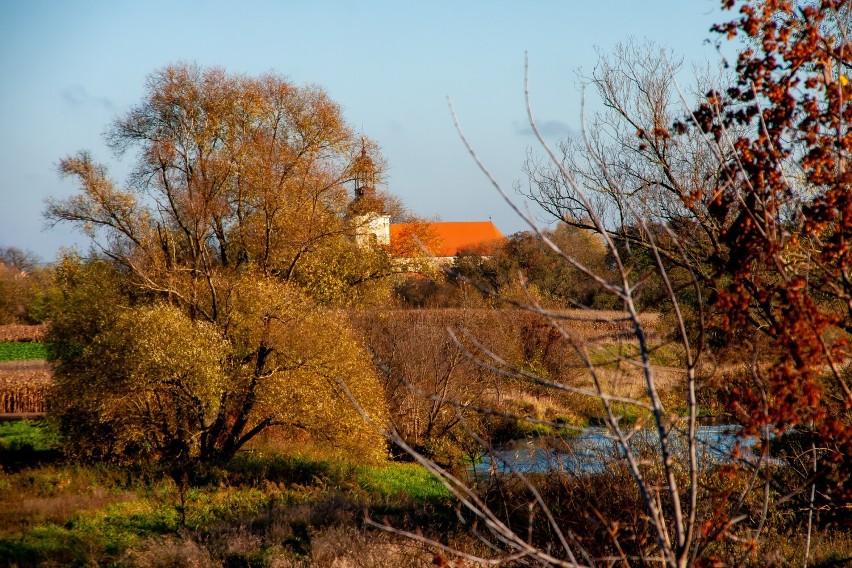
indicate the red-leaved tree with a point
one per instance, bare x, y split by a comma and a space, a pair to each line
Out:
784, 281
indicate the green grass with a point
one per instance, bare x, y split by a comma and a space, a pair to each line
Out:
101, 535
39, 435
253, 467
66, 513
607, 355
92, 514
99, 515
402, 480
22, 351
398, 481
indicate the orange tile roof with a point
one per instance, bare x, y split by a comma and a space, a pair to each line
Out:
453, 236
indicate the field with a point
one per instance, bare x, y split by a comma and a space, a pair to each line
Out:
279, 503
25, 376
15, 351
22, 333
267, 507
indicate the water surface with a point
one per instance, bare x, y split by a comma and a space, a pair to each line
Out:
594, 450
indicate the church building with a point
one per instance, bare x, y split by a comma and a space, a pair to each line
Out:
441, 240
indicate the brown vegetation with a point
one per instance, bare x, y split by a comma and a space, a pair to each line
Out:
437, 391
59, 508
205, 325
21, 332
734, 218
25, 386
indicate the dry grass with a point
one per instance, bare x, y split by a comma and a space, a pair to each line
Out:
333, 547
34, 372
55, 494
626, 378
588, 325
168, 552
348, 547
14, 332
605, 325
59, 508
417, 351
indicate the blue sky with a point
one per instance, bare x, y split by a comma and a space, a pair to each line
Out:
67, 68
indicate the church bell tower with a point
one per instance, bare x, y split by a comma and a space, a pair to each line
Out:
367, 209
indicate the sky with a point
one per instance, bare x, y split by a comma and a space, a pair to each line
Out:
68, 68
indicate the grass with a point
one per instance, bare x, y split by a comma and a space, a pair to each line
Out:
14, 332
12, 351
75, 514
608, 354
27, 444
530, 429
38, 435
407, 480
395, 481
119, 520
263, 508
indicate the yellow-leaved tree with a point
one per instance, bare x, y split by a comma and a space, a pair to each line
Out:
142, 381
218, 325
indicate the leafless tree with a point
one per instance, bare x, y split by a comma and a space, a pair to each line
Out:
678, 515
631, 167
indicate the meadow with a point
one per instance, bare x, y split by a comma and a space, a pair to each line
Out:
265, 508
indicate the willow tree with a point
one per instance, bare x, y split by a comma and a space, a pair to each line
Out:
239, 186
230, 172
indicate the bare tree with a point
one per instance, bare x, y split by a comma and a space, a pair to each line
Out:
676, 514
633, 167
745, 197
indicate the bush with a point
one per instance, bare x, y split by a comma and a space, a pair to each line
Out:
147, 382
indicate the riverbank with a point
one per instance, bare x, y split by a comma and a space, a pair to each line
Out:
271, 508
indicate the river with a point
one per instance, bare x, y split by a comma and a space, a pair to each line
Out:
593, 450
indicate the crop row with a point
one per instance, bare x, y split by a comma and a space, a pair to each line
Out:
24, 386
22, 332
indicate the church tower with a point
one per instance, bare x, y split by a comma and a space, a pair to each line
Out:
366, 209
365, 175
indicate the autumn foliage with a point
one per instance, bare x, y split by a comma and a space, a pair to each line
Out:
228, 297
744, 197
200, 325
782, 269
